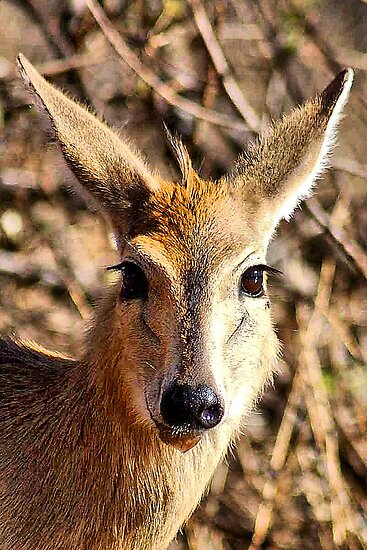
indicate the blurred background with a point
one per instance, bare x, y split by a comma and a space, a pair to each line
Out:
215, 72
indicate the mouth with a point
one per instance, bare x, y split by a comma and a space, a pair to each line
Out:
181, 434
182, 440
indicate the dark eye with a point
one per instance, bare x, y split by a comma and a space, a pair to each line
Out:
134, 281
252, 281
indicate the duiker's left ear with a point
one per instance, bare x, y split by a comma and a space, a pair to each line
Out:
281, 170
105, 165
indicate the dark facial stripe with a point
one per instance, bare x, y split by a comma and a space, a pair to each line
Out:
192, 310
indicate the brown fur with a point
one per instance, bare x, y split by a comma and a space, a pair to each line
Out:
85, 463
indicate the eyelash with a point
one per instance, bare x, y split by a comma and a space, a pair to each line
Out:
269, 269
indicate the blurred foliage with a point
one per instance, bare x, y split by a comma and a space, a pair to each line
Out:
306, 489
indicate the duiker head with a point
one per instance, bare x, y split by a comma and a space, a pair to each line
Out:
190, 326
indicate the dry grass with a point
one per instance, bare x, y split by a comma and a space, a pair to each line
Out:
215, 72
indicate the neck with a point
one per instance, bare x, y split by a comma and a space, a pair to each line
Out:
146, 488
140, 490
92, 475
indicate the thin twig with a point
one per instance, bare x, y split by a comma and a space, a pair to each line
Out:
349, 246
220, 63
317, 401
77, 61
308, 457
150, 78
18, 267
67, 273
324, 46
60, 66
344, 517
56, 38
335, 317
350, 166
350, 428
279, 455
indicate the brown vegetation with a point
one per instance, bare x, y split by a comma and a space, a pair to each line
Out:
214, 72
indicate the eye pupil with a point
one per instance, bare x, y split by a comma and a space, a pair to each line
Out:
252, 282
134, 281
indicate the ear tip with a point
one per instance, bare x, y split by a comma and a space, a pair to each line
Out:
21, 60
24, 67
346, 76
338, 87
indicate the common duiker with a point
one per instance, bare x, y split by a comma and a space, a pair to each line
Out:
113, 450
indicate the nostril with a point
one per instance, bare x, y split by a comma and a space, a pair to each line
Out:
211, 416
191, 407
211, 410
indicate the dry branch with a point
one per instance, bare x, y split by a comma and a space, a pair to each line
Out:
221, 65
60, 66
278, 458
319, 409
150, 78
348, 245
342, 412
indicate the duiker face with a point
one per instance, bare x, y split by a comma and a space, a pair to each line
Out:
193, 289
191, 319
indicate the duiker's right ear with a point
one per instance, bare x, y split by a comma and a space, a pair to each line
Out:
106, 166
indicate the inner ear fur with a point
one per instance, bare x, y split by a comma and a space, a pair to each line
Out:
280, 171
105, 165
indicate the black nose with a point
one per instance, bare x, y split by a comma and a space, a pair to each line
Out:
191, 407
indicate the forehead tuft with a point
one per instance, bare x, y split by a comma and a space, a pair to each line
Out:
193, 231
181, 216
